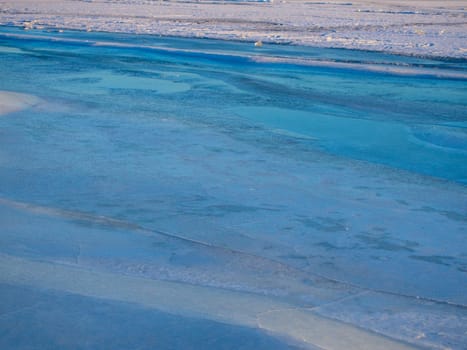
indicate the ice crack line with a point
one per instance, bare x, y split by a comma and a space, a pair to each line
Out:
121, 224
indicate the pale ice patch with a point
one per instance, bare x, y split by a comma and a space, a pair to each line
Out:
8, 50
13, 101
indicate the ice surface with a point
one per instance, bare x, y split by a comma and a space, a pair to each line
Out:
185, 179
101, 81
13, 101
60, 320
209, 303
430, 323
381, 141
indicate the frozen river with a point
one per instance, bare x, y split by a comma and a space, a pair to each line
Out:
182, 193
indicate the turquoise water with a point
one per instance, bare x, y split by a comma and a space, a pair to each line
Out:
324, 179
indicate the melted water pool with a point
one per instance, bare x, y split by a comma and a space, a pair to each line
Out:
280, 189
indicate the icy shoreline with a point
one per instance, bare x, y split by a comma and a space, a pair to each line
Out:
421, 28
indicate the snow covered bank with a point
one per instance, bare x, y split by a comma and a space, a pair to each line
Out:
428, 28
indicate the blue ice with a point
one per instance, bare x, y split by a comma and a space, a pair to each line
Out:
183, 193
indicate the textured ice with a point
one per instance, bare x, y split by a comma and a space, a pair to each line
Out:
187, 182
